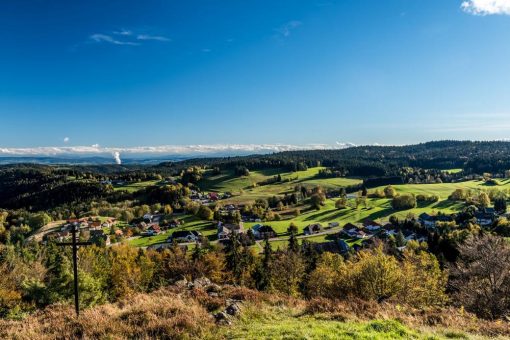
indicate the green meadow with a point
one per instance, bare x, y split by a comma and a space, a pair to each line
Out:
245, 188
378, 209
132, 187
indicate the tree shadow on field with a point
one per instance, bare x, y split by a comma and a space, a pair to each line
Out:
318, 215
382, 213
444, 204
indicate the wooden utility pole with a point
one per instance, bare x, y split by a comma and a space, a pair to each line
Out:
74, 244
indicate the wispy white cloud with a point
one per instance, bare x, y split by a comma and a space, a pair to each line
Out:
286, 29
66, 139
123, 32
104, 38
126, 37
486, 7
198, 150
152, 37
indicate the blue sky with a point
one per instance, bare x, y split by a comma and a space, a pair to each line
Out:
145, 73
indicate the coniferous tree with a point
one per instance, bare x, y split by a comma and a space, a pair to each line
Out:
400, 239
500, 205
293, 245
264, 274
234, 257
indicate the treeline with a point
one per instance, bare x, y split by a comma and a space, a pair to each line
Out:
377, 161
37, 187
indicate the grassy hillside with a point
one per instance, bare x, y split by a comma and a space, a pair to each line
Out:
245, 189
378, 209
132, 187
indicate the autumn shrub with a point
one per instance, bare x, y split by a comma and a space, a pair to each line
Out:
403, 202
375, 276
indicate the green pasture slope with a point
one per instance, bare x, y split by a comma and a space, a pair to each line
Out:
245, 190
207, 228
378, 209
132, 187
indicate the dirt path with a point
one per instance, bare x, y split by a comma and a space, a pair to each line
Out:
50, 227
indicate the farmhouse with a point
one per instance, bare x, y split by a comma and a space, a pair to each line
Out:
224, 230
313, 229
371, 225
184, 236
263, 231
485, 218
333, 224
427, 220
153, 229
353, 231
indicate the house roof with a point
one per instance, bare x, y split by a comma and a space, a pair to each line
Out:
232, 226
265, 229
444, 218
96, 233
312, 227
484, 215
369, 222
155, 227
349, 226
425, 216
224, 230
182, 233
388, 226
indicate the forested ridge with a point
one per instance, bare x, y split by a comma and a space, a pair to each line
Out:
373, 161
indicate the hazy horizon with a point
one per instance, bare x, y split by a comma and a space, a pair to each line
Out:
181, 151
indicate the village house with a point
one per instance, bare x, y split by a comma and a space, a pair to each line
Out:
312, 229
152, 230
333, 224
142, 226
182, 236
213, 196
95, 225
225, 230
427, 220
109, 223
263, 231
58, 236
484, 218
162, 246
389, 230
353, 231
371, 226
445, 218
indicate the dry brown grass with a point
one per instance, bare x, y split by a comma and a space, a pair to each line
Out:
179, 313
160, 315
